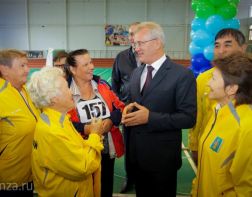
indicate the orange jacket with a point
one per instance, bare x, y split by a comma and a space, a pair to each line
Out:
115, 107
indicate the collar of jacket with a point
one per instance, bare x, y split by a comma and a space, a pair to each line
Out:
96, 78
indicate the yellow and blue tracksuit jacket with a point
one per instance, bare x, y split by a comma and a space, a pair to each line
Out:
204, 109
63, 164
220, 151
17, 123
241, 168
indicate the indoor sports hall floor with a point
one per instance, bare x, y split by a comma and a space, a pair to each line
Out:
185, 174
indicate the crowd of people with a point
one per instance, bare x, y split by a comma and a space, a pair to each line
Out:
60, 131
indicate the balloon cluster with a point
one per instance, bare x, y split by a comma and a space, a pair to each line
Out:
210, 17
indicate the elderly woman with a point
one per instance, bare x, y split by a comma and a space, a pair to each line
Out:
225, 152
18, 118
94, 98
63, 164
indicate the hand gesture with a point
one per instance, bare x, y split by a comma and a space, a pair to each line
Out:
96, 126
128, 109
138, 117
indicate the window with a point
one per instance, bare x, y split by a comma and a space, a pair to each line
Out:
250, 32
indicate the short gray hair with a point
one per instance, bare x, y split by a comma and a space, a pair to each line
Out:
155, 30
8, 55
44, 85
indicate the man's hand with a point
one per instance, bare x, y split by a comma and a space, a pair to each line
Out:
127, 109
138, 117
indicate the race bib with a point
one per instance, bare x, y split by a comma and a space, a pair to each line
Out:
92, 108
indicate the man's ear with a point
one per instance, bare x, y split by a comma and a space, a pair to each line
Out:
244, 48
231, 89
72, 69
3, 70
159, 44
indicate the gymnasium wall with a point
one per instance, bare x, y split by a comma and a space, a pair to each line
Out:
73, 24
98, 62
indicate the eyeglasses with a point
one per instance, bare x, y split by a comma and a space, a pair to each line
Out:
141, 43
59, 65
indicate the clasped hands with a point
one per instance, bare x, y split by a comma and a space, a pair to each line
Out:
136, 117
99, 126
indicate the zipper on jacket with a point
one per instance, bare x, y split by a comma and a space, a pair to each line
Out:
76, 193
3, 150
27, 104
46, 173
215, 118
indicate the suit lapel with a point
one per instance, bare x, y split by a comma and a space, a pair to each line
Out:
161, 73
132, 58
137, 81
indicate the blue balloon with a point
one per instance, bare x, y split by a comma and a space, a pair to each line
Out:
233, 23
195, 73
205, 68
209, 52
192, 34
194, 49
199, 61
202, 38
214, 24
197, 24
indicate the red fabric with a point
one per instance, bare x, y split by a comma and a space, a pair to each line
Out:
74, 115
111, 100
110, 97
118, 141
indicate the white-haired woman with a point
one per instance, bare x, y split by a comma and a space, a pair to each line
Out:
63, 164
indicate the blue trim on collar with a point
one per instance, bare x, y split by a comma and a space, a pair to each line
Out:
234, 112
4, 86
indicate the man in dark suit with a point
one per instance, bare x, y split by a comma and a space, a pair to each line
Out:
125, 63
160, 108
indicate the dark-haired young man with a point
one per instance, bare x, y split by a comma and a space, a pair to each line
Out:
227, 41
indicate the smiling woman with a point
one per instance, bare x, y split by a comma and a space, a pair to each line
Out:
94, 98
224, 160
63, 164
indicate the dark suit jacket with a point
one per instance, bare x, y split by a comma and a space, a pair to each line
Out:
171, 100
123, 67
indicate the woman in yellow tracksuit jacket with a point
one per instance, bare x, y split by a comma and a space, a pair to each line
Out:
204, 110
63, 164
241, 169
222, 168
18, 118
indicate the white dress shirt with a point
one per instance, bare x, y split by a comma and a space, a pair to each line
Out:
156, 65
